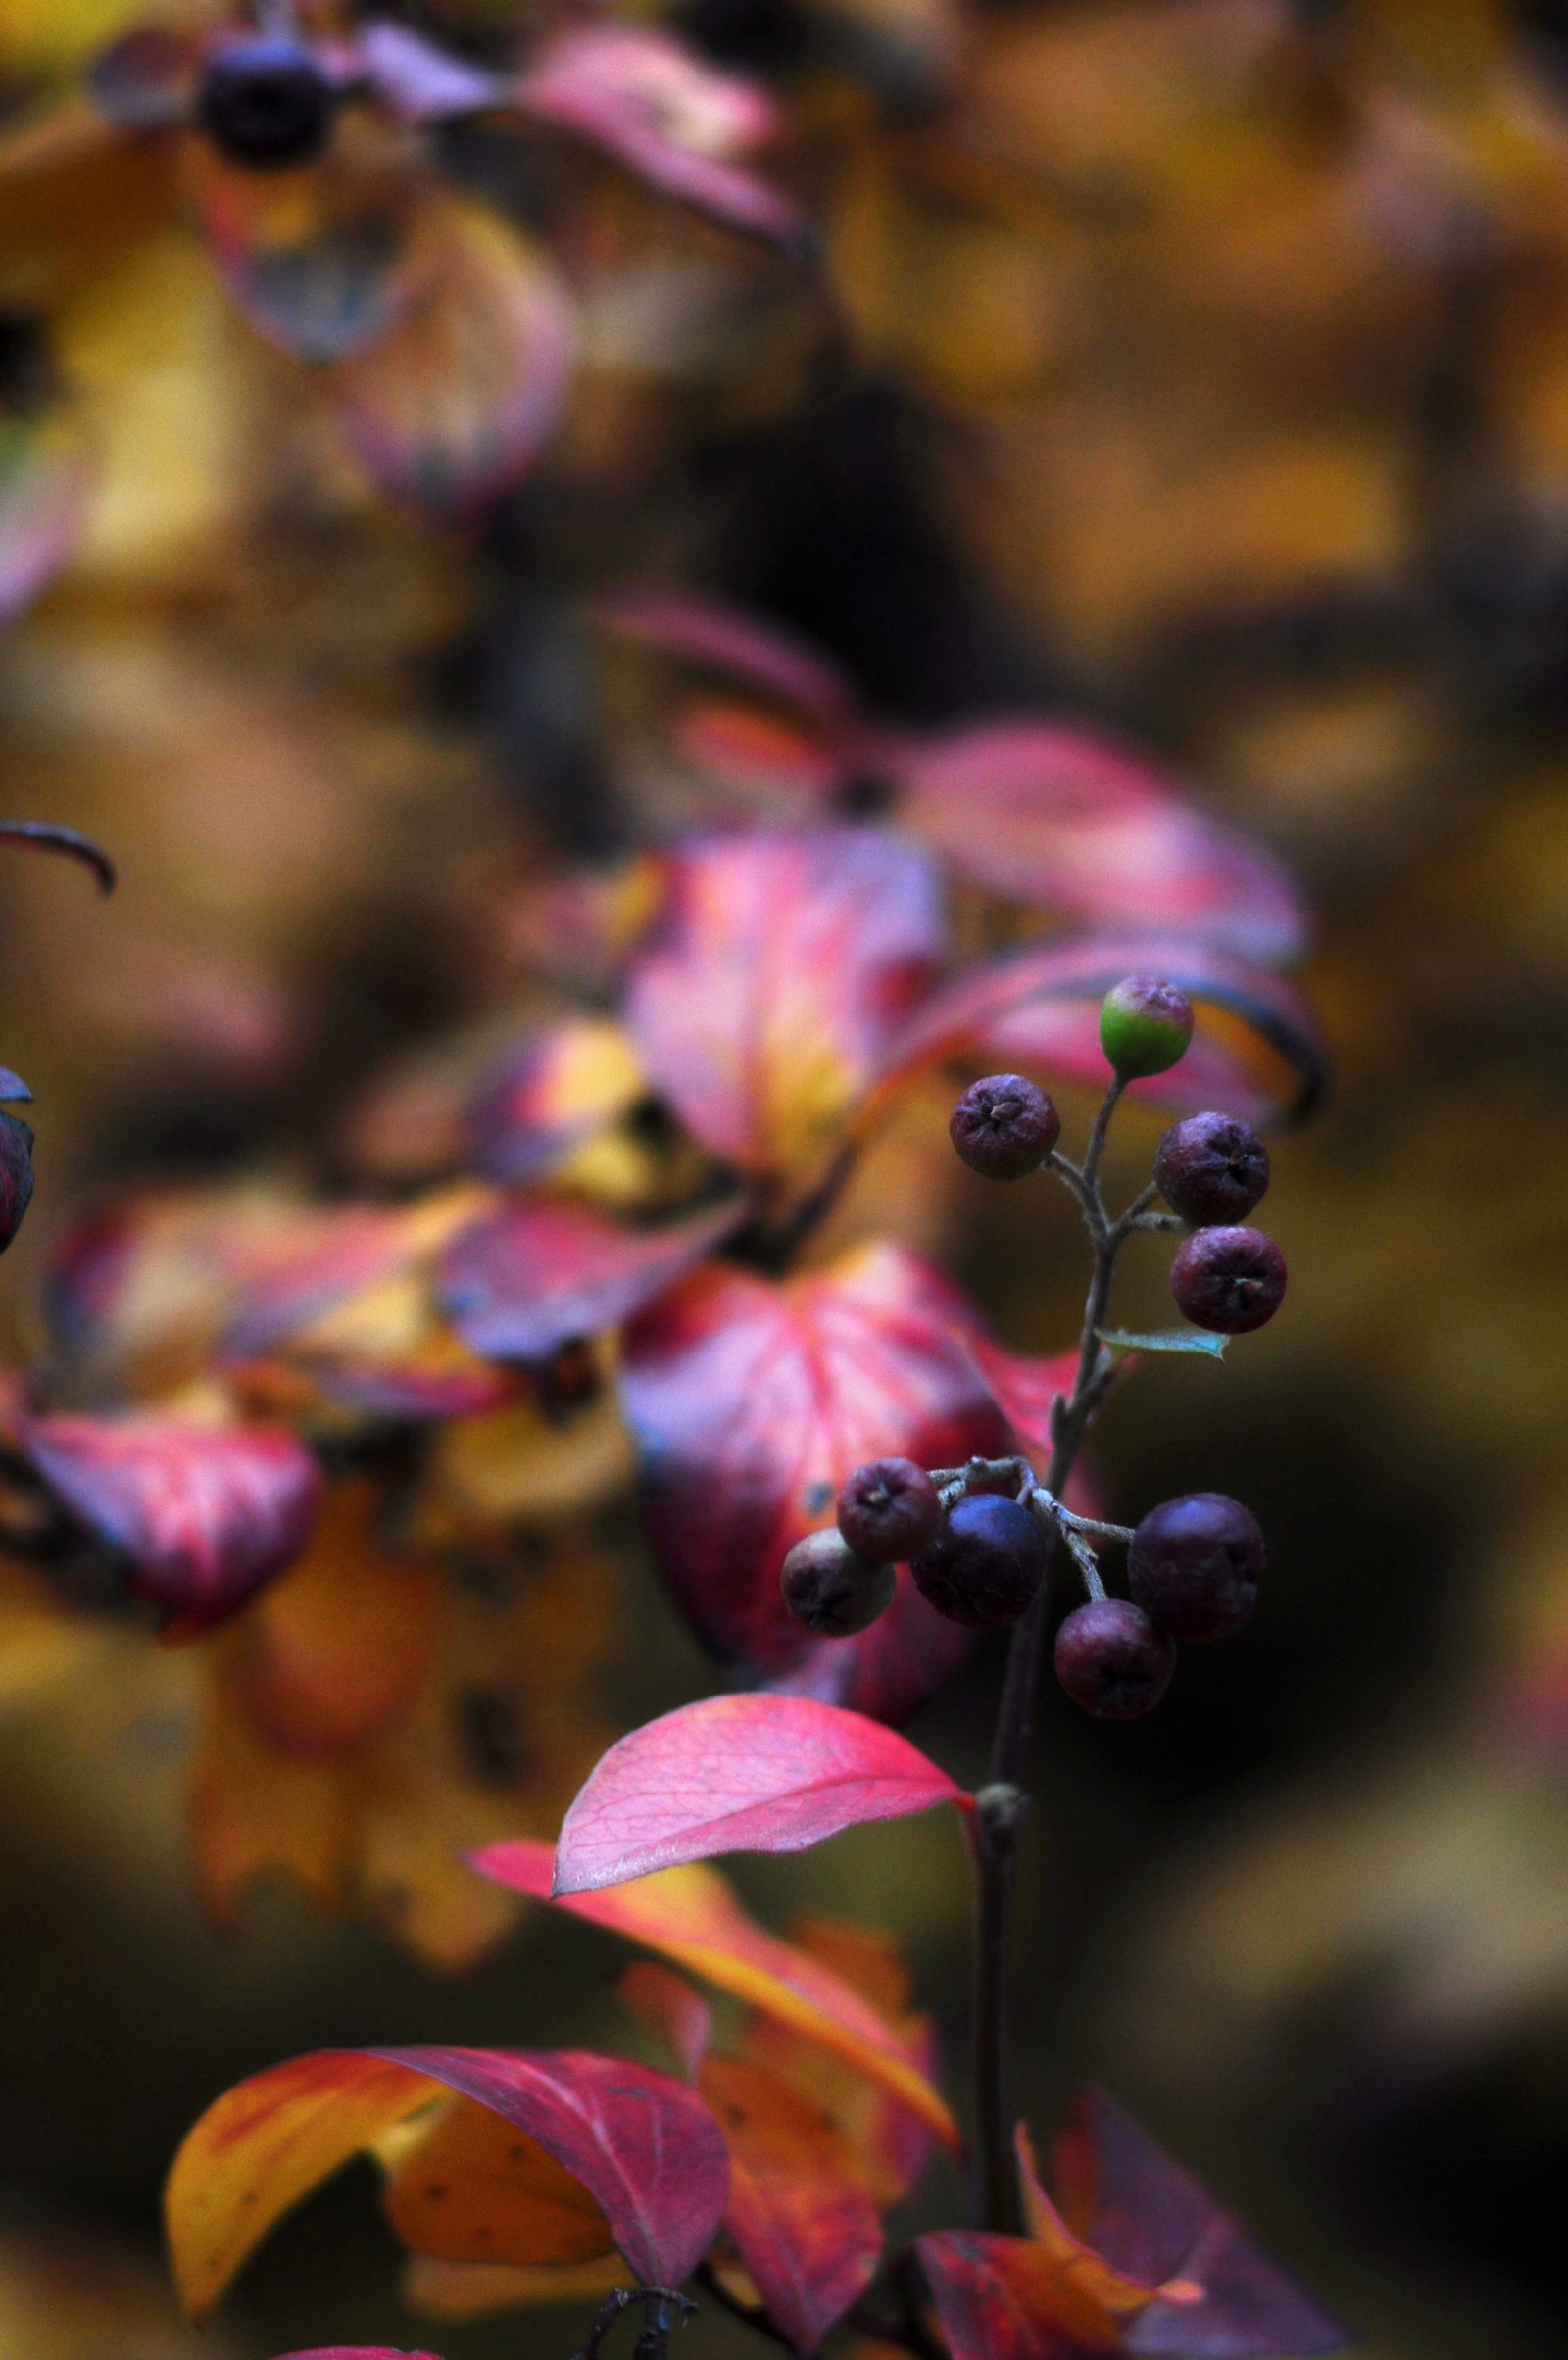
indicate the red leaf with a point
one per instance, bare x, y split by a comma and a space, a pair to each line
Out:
759, 1773
668, 2005
690, 1916
452, 403
1024, 1387
1217, 2296
989, 2294
751, 1402
1257, 1051
1055, 816
554, 1090
521, 1282
763, 653
799, 2212
207, 1515
646, 100
766, 998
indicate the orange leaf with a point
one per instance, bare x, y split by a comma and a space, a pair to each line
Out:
474, 2189
1083, 2293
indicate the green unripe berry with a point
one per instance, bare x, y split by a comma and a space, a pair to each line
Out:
1145, 1026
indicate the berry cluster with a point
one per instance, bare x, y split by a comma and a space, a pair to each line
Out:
978, 1539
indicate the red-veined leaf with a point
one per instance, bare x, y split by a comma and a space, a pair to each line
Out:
645, 98
644, 2146
691, 1916
991, 2295
767, 995
452, 405
204, 1514
735, 1774
48, 837
558, 1088
419, 82
1217, 2297
799, 2212
1046, 813
751, 1402
1256, 1052
763, 653
523, 1281
668, 2005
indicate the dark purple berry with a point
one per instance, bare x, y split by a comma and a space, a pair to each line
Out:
15, 1175
889, 1511
1112, 1662
1228, 1280
1193, 1565
265, 102
985, 1566
830, 1590
1145, 1026
1212, 1168
1005, 1127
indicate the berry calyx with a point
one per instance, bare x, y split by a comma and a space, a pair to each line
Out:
1193, 1565
1145, 1026
1212, 1168
830, 1590
984, 1569
1004, 1126
888, 1511
265, 102
1112, 1662
15, 1175
1229, 1281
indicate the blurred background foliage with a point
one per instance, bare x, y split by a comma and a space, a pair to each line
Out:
1201, 368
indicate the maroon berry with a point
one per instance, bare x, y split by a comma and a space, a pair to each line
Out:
1145, 1026
985, 1567
1230, 1281
265, 103
889, 1511
1193, 1565
15, 1175
1112, 1662
1005, 1127
1212, 1168
830, 1590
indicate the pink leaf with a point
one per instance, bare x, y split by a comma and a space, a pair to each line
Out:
546, 1096
992, 2295
207, 1515
519, 1283
1024, 1389
766, 997
743, 647
758, 1772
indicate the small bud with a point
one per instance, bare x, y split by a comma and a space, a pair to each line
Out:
889, 1511
1112, 1662
1193, 1565
985, 1567
1145, 1026
15, 1175
265, 103
1212, 1168
1005, 1127
830, 1590
1229, 1281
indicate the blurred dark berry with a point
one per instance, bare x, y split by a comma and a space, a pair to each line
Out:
1193, 1565
830, 1590
1112, 1662
265, 102
15, 1175
1228, 1280
889, 1511
1212, 1168
1145, 1026
985, 1566
1004, 1126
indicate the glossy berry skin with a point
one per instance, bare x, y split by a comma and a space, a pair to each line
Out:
1005, 1127
1145, 1026
1193, 1565
15, 1175
985, 1568
889, 1511
1211, 1169
830, 1590
265, 102
1229, 1281
1112, 1662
